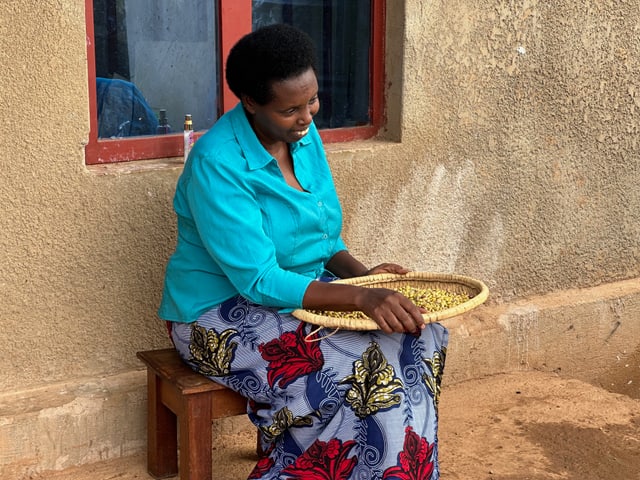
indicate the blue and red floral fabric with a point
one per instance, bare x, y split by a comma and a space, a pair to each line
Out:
344, 406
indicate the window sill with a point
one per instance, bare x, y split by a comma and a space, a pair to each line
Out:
124, 168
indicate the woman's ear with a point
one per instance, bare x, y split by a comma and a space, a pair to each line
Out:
249, 104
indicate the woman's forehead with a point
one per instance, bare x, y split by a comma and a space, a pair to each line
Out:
301, 85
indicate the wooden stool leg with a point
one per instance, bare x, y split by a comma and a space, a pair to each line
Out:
162, 450
259, 450
195, 438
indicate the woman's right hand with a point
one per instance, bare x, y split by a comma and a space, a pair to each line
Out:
392, 311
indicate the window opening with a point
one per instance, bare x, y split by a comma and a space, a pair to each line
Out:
151, 62
154, 56
341, 31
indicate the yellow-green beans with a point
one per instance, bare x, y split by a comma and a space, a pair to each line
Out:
431, 299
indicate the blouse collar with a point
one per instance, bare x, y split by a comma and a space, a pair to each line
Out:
253, 151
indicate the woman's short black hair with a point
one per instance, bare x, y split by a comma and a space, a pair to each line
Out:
267, 55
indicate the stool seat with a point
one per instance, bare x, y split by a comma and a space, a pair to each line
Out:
181, 401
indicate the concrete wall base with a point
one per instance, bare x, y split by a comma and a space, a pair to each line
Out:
580, 334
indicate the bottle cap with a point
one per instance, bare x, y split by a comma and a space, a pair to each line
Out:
188, 124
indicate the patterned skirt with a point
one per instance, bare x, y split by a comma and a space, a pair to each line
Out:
348, 405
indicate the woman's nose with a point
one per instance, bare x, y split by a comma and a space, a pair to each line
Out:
306, 115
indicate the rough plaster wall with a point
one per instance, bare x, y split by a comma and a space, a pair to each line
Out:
82, 254
519, 155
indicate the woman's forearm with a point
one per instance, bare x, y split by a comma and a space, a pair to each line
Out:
344, 265
331, 296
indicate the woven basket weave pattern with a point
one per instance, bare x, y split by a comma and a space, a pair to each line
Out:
475, 289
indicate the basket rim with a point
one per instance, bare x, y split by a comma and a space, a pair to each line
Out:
371, 280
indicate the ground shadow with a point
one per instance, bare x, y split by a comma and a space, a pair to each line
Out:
611, 452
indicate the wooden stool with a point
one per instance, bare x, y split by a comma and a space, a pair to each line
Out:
180, 399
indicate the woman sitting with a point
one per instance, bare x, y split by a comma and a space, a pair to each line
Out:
259, 227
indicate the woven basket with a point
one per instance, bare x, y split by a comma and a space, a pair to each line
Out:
475, 289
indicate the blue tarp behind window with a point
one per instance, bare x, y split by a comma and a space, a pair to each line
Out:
122, 110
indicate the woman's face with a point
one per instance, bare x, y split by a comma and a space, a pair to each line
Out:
286, 118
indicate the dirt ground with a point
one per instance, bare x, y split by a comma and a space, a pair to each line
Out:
517, 426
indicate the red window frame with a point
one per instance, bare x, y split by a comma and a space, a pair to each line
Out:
235, 21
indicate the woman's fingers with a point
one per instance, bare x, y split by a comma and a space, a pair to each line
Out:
388, 268
410, 318
394, 312
399, 324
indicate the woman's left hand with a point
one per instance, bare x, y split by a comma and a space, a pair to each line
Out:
388, 268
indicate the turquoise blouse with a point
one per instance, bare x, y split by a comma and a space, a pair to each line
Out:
242, 229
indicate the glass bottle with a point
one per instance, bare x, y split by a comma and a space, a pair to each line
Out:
163, 123
188, 135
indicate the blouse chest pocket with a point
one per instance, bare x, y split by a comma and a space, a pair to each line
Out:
281, 224
296, 225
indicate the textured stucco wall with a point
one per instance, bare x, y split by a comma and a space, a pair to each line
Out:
82, 253
519, 155
510, 154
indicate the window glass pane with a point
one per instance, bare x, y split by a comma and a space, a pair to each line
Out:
153, 56
341, 30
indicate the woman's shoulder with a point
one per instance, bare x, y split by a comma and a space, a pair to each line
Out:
218, 144
219, 135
